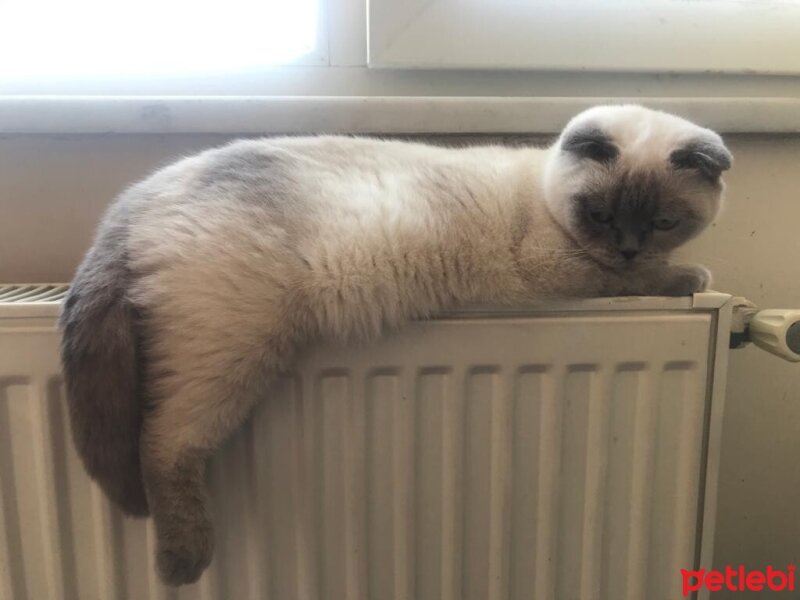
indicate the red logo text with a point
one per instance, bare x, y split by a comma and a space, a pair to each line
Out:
738, 580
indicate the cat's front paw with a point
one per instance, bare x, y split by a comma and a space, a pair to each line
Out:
685, 280
183, 556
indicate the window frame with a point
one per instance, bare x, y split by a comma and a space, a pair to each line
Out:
364, 115
653, 36
347, 95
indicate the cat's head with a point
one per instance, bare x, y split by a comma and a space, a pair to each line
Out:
630, 184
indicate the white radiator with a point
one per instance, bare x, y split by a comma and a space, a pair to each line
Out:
557, 453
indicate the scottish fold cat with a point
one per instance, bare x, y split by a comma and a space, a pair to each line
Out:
206, 277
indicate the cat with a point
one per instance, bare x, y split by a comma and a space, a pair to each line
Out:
206, 277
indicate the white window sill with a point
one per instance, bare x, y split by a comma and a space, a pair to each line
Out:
377, 114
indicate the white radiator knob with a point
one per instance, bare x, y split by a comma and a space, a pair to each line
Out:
777, 330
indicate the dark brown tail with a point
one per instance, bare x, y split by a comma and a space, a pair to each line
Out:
99, 355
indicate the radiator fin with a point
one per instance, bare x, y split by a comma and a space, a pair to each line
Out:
32, 293
14, 580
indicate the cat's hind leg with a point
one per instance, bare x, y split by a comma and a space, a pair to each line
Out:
197, 399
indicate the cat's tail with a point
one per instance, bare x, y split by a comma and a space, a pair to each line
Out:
99, 355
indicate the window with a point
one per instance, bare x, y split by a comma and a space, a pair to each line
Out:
732, 36
96, 38
239, 65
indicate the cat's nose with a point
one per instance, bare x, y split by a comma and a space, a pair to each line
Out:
629, 254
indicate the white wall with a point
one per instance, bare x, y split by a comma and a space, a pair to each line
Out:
53, 188
754, 251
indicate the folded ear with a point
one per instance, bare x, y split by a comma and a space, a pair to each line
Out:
590, 142
711, 158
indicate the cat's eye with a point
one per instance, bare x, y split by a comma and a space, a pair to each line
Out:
601, 216
665, 224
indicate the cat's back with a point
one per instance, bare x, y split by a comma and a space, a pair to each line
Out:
289, 180
345, 168
343, 160
316, 197
330, 155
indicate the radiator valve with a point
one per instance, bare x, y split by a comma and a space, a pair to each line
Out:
776, 330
